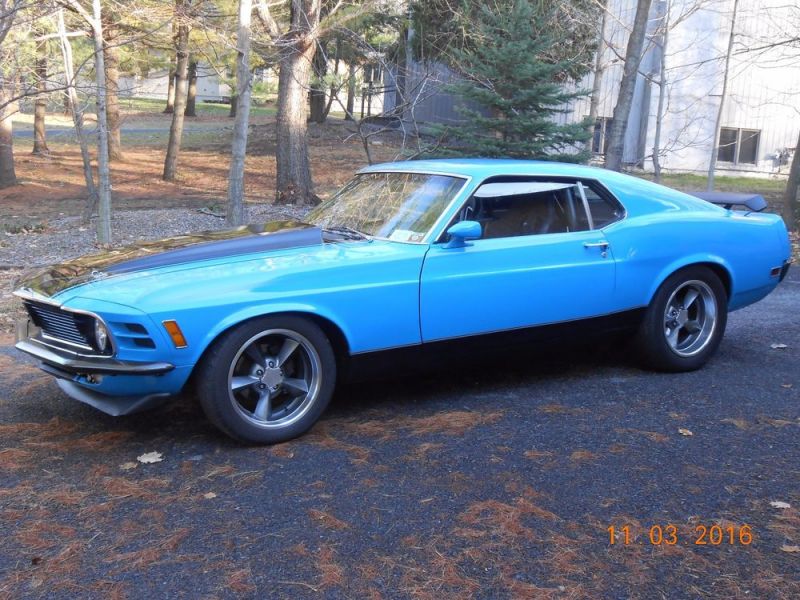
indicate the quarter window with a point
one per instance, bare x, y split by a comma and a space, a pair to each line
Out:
738, 145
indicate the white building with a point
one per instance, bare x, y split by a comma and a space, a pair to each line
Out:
761, 117
210, 88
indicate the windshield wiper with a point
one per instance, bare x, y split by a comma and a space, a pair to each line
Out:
347, 232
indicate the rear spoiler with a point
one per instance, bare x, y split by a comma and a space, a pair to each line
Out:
753, 202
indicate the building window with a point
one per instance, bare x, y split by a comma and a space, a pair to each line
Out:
738, 145
602, 129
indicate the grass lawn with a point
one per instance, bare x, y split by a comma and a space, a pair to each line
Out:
214, 109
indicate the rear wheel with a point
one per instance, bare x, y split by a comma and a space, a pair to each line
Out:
685, 321
268, 380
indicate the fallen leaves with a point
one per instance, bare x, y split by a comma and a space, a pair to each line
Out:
209, 495
581, 455
327, 520
128, 466
778, 346
787, 548
685, 432
780, 504
149, 458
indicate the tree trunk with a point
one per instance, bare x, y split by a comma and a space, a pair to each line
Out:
170, 108
103, 171
712, 164
191, 96
662, 95
335, 86
234, 102
791, 207
597, 81
77, 116
40, 105
235, 213
294, 184
111, 59
182, 68
317, 95
351, 93
8, 176
622, 110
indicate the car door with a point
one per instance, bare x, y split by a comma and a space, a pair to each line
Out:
517, 276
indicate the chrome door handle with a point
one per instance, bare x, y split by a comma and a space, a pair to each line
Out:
602, 245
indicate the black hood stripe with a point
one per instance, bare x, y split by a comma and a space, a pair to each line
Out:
296, 237
208, 245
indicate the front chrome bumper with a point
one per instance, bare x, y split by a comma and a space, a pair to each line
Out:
65, 363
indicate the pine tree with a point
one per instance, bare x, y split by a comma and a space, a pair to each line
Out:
521, 87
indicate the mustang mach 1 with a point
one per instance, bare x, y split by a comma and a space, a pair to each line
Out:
263, 320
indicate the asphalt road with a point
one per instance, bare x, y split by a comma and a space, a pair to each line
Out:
496, 482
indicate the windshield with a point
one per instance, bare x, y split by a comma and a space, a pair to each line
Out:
396, 206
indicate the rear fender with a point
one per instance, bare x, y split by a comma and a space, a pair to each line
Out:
688, 261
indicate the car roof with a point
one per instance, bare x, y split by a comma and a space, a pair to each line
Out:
637, 195
487, 167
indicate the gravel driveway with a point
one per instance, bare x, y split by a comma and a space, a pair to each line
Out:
498, 481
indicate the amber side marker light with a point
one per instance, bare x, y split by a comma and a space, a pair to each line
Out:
175, 333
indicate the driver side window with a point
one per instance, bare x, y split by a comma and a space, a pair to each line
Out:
525, 208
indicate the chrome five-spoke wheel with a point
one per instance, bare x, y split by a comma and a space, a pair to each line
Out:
685, 320
690, 318
274, 378
267, 380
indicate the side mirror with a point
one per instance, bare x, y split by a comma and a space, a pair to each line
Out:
463, 231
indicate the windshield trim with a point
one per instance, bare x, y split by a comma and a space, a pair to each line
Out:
467, 179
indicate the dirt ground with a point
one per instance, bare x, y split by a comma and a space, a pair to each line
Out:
53, 186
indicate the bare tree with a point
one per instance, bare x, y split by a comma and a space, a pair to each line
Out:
235, 212
170, 107
181, 84
791, 207
8, 176
296, 45
712, 164
622, 109
40, 104
663, 44
191, 93
351, 92
294, 183
111, 59
95, 21
77, 116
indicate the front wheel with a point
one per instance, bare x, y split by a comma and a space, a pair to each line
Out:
685, 321
268, 380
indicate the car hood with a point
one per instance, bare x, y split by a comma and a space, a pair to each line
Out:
147, 256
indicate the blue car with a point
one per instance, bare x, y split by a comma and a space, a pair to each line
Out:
263, 320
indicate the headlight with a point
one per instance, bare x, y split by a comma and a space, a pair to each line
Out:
100, 335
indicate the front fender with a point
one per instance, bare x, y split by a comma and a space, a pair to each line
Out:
262, 310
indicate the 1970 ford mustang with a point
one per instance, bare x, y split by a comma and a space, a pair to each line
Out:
262, 319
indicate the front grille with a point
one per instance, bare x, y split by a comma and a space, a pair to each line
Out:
61, 325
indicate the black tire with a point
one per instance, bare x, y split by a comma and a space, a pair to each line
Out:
676, 344
237, 355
